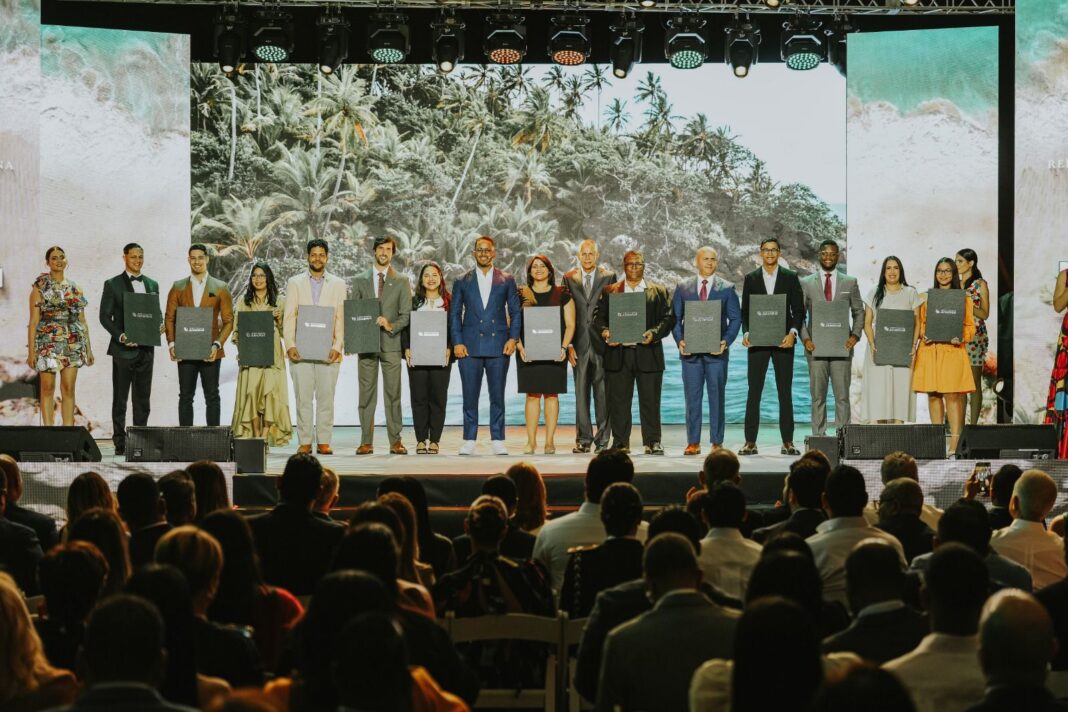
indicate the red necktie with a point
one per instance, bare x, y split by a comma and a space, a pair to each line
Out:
381, 283
827, 287
704, 290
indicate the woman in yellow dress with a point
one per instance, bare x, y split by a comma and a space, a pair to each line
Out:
261, 408
943, 370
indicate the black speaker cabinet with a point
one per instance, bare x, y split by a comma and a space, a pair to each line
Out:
981, 442
170, 444
827, 444
250, 455
37, 443
874, 442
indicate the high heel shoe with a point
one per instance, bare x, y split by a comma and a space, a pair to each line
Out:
550, 449
529, 449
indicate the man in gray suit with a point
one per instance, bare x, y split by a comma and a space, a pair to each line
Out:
394, 292
829, 284
585, 283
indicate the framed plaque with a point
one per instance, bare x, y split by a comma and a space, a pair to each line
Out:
141, 318
701, 326
626, 317
255, 338
767, 319
829, 327
315, 332
362, 334
428, 337
192, 333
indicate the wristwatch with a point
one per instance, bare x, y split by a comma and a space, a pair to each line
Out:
216, 344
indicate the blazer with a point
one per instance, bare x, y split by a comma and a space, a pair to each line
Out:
485, 331
803, 522
216, 295
396, 303
846, 289
42, 525
585, 307
719, 288
333, 294
786, 282
592, 569
659, 318
113, 315
880, 637
295, 547
20, 552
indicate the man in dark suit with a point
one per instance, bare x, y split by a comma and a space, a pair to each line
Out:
643, 362
485, 321
803, 495
42, 525
770, 278
19, 549
585, 283
295, 546
145, 514
131, 363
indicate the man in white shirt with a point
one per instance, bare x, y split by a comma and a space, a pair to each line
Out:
727, 558
1026, 540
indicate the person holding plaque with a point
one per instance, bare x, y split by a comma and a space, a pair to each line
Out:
943, 370
428, 386
886, 388
314, 381
769, 279
545, 379
973, 284
642, 362
830, 288
131, 361
261, 406
394, 295
705, 369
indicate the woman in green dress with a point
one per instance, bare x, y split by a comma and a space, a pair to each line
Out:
261, 407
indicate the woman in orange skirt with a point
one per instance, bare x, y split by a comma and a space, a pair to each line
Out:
943, 371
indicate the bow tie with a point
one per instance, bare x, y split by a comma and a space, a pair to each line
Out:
137, 279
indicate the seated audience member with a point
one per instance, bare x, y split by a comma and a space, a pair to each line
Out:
726, 559
411, 596
649, 662
789, 572
618, 559
899, 514
209, 483
1016, 645
583, 527
1055, 600
884, 628
20, 550
243, 599
86, 491
895, 466
327, 499
722, 466
863, 687
942, 673
103, 529
180, 494
1001, 486
531, 507
803, 494
145, 514
222, 650
434, 549
72, 577
517, 544
43, 526
781, 511
411, 569
844, 498
28, 682
1026, 540
295, 547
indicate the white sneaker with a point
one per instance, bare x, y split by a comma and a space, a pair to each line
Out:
499, 448
468, 448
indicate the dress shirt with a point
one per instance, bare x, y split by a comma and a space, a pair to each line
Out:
709, 283
834, 281
198, 287
139, 284
710, 689
769, 279
376, 280
587, 281
1030, 545
942, 673
485, 284
727, 559
316, 287
639, 288
831, 545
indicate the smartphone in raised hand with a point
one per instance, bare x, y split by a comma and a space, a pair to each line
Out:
982, 475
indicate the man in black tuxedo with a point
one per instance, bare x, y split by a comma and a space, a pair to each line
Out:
131, 363
642, 362
770, 278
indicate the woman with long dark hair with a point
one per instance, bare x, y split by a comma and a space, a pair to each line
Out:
209, 484
434, 549
103, 528
261, 407
978, 292
428, 385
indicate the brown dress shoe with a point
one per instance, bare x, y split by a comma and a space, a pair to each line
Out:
304, 450
325, 450
365, 449
398, 448
692, 449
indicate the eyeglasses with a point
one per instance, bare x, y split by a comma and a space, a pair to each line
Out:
770, 250
483, 249
944, 271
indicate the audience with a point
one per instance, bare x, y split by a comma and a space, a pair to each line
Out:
86, 491
434, 549
43, 526
1055, 600
803, 495
411, 569
786, 569
72, 578
517, 544
180, 494
103, 529
1001, 486
145, 514
899, 465
209, 483
727, 558
863, 687
20, 550
900, 505
1026, 540
722, 466
327, 499
531, 506
411, 596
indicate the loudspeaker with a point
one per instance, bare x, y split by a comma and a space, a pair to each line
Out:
874, 442
829, 445
250, 454
37, 443
978, 442
171, 444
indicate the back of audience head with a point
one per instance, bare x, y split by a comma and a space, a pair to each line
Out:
180, 494
503, 488
370, 547
370, 669
721, 466
329, 485
23, 665
900, 497
241, 578
805, 483
897, 465
140, 503
621, 509
874, 574
787, 541
103, 529
1016, 639
966, 522
413, 491
123, 643
789, 574
409, 543
669, 563
87, 491
532, 505
375, 511
1002, 483
817, 456
339, 597
486, 523
199, 557
299, 483
210, 485
677, 520
723, 506
864, 687
9, 468
845, 493
1033, 496
72, 577
607, 467
955, 587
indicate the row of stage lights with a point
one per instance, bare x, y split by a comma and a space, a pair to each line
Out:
805, 42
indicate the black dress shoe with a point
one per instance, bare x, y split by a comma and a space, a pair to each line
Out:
654, 449
621, 448
120, 450
580, 448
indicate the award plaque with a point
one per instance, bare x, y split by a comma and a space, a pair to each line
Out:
894, 336
255, 338
362, 334
192, 333
701, 326
141, 318
626, 317
767, 319
315, 332
541, 333
945, 314
428, 337
830, 328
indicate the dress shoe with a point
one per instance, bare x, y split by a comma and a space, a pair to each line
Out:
580, 448
325, 450
468, 448
598, 449
304, 450
420, 448
692, 449
654, 449
789, 449
499, 448
625, 449
748, 449
398, 448
365, 449
120, 450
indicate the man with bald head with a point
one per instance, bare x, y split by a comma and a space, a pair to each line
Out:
705, 371
1026, 540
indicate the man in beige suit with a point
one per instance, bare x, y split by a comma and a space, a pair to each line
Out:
315, 381
394, 293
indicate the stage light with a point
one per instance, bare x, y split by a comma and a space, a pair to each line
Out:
332, 33
802, 47
272, 35
647, 3
625, 47
771, 3
836, 42
229, 39
910, 3
743, 41
506, 38
387, 37
569, 41
684, 44
448, 46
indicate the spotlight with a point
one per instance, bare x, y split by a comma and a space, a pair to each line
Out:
802, 47
647, 3
272, 35
684, 44
743, 41
836, 42
771, 3
569, 43
910, 3
332, 33
506, 38
448, 46
625, 47
229, 39
387, 37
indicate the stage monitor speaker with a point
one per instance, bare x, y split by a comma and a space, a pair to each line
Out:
37, 443
874, 442
171, 444
250, 455
978, 442
829, 445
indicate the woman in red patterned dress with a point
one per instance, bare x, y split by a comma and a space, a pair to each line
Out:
1057, 402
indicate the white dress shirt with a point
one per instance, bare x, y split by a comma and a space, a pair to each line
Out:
727, 559
139, 284
831, 545
1039, 551
639, 288
929, 515
710, 688
385, 275
942, 673
198, 287
485, 285
834, 281
769, 279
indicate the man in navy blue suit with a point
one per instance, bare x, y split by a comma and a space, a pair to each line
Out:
705, 371
485, 321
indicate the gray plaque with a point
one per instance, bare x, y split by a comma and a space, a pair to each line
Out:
626, 317
428, 338
767, 319
830, 328
362, 334
701, 326
255, 338
141, 318
945, 314
315, 332
894, 336
541, 333
192, 333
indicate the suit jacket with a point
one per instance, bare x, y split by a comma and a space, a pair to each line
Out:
124, 697
1011, 698
227, 651
113, 315
880, 637
216, 295
396, 302
333, 294
916, 537
485, 331
659, 318
1055, 599
295, 547
786, 282
719, 288
20, 553
586, 306
846, 289
592, 569
43, 525
803, 522
143, 543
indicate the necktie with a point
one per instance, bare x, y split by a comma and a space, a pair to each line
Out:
827, 287
137, 279
704, 290
381, 283
588, 284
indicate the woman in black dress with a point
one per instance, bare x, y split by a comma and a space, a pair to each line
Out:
545, 379
428, 385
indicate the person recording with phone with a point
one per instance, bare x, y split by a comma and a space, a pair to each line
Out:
997, 486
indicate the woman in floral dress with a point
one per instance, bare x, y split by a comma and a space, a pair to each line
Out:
972, 282
1057, 402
